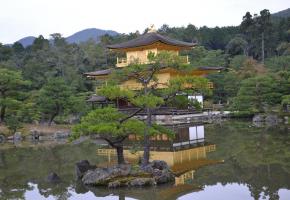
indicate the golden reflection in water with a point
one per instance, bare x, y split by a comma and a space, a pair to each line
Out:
184, 178
182, 162
185, 153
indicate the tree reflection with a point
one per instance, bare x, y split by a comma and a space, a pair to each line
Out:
257, 157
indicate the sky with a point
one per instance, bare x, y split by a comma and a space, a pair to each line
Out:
21, 18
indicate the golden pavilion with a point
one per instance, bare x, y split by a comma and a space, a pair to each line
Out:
138, 50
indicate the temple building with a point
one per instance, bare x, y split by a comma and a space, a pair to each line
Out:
137, 50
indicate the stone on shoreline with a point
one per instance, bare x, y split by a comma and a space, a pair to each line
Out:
61, 134
17, 136
268, 119
2, 138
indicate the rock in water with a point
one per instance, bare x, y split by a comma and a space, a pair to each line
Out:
163, 176
97, 176
120, 170
53, 178
159, 164
157, 172
82, 167
161, 172
139, 182
155, 164
114, 184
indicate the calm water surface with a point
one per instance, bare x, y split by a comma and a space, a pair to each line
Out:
256, 166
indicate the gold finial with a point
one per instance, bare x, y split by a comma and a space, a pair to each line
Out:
151, 29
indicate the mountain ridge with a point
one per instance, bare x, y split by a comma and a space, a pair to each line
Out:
282, 14
78, 37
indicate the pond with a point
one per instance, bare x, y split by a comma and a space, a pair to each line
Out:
230, 160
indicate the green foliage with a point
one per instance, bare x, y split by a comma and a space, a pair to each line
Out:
284, 49
11, 84
278, 63
179, 101
55, 98
29, 112
195, 104
237, 46
187, 84
5, 53
237, 62
256, 93
285, 102
78, 104
147, 101
113, 92
13, 123
107, 122
199, 56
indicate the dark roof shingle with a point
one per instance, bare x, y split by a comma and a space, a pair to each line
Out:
96, 98
99, 72
211, 68
150, 38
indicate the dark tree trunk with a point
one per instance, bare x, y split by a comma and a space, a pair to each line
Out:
52, 118
263, 48
2, 113
146, 155
117, 103
120, 154
118, 145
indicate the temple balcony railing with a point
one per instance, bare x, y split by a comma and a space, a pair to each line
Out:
123, 62
184, 59
138, 86
189, 85
210, 85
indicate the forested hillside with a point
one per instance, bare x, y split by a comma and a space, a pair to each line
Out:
44, 81
282, 13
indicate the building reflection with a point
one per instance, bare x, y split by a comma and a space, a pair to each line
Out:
185, 153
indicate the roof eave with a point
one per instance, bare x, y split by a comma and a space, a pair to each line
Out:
138, 46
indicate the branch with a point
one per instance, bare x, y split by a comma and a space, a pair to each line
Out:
154, 70
136, 75
113, 143
131, 115
109, 141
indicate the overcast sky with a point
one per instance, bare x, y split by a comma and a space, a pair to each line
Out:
21, 18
